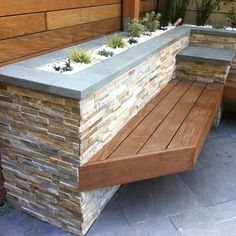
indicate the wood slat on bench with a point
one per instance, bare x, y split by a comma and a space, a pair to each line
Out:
130, 169
166, 131
141, 134
164, 138
196, 126
133, 123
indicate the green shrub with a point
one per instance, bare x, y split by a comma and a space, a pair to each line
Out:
80, 56
151, 21
132, 41
116, 42
105, 53
232, 17
218, 26
204, 8
136, 28
179, 9
173, 10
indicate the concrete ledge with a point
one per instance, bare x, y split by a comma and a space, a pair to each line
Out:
217, 56
216, 32
84, 83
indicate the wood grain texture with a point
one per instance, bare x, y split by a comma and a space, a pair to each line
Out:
20, 47
170, 132
29, 28
194, 130
131, 8
21, 25
110, 147
65, 18
142, 133
14, 7
148, 6
163, 135
134, 168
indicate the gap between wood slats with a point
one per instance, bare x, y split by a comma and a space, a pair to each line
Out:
131, 145
162, 136
110, 147
15, 7
23, 47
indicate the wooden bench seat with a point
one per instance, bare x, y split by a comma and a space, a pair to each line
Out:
165, 137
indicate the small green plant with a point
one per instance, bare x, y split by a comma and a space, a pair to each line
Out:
218, 26
116, 42
204, 9
179, 9
105, 53
136, 28
132, 41
80, 56
151, 21
232, 17
4, 208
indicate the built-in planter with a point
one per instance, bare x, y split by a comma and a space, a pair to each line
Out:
53, 123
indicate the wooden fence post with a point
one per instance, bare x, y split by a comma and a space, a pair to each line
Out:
131, 10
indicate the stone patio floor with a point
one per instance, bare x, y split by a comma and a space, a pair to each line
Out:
201, 202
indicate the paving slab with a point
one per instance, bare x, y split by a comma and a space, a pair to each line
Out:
145, 200
219, 220
217, 56
212, 185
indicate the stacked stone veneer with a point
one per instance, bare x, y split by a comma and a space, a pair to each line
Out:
202, 71
213, 41
45, 138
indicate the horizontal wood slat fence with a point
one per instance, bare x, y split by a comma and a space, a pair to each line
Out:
35, 27
148, 6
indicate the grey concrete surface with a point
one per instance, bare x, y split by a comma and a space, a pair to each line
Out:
201, 202
218, 56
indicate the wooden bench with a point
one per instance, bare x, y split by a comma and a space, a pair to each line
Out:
165, 137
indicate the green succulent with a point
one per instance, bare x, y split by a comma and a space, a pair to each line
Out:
232, 17
105, 53
116, 42
80, 56
135, 28
151, 21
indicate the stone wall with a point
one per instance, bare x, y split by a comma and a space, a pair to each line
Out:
107, 110
213, 41
45, 138
202, 71
40, 148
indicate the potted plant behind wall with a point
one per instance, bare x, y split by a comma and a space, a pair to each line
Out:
204, 9
173, 10
232, 17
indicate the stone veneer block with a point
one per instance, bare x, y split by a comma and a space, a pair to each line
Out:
202, 71
213, 38
46, 137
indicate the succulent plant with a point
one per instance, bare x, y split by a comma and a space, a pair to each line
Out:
151, 21
132, 41
63, 68
105, 53
116, 42
135, 28
80, 56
